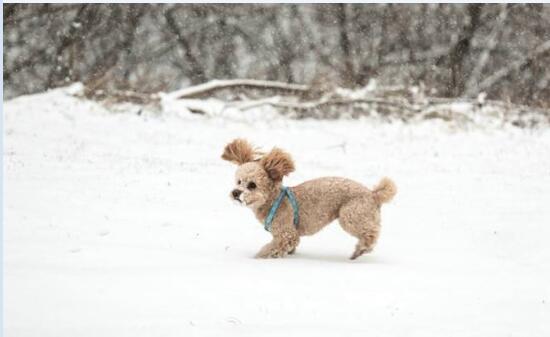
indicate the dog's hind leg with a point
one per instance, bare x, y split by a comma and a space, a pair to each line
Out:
360, 217
365, 245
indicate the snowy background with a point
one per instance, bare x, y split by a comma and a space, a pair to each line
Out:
117, 220
120, 225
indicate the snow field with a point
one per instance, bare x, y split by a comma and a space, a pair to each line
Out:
121, 225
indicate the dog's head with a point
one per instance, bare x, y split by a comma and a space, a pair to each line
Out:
259, 175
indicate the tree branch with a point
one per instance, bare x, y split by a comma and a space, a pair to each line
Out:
471, 87
503, 73
215, 85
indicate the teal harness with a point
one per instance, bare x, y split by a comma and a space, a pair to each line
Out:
285, 191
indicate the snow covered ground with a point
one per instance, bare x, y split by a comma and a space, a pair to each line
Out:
121, 225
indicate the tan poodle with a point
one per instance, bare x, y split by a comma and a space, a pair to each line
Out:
289, 213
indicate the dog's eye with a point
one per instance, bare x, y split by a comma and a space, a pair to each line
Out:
251, 185
239, 182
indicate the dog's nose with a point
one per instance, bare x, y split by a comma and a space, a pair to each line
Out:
236, 194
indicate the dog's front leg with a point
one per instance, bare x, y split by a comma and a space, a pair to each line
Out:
280, 246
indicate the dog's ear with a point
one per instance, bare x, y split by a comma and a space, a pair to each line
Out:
239, 152
277, 164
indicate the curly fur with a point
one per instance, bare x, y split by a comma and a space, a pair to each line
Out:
321, 200
385, 190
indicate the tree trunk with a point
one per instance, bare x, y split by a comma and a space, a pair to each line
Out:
197, 74
348, 71
461, 49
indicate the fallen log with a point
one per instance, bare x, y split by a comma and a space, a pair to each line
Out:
215, 85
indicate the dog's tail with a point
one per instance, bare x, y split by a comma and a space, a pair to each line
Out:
384, 191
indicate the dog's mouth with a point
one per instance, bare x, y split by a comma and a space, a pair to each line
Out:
239, 199
246, 203
252, 203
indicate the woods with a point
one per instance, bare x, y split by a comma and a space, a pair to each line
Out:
451, 50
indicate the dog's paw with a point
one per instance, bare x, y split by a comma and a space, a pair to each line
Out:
261, 255
360, 251
264, 253
277, 254
271, 254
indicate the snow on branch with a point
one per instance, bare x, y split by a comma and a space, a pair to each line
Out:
300, 101
313, 105
122, 96
209, 87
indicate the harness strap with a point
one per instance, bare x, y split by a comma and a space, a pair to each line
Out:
285, 191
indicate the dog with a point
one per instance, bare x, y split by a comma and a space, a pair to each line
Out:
306, 208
